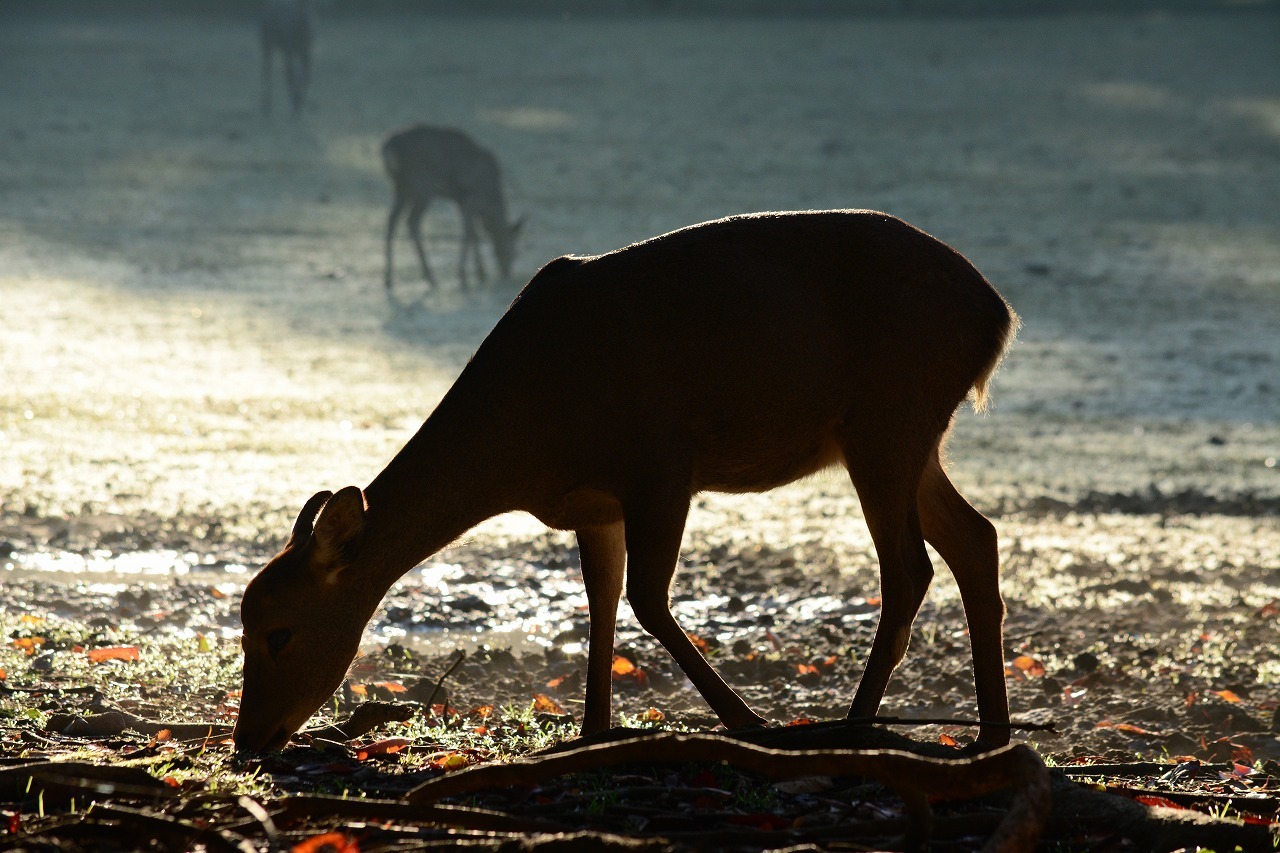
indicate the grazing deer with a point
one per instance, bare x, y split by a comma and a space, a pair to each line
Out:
425, 163
287, 26
732, 356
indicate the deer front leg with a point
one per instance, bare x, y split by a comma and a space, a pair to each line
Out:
603, 554
655, 521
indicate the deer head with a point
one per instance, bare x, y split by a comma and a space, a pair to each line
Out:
505, 235
303, 617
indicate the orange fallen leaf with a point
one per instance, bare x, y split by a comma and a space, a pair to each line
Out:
557, 681
697, 641
653, 715
359, 690
1227, 695
115, 653
391, 686
329, 842
947, 740
449, 760
806, 669
622, 666
386, 746
544, 704
3, 675
28, 644
483, 711
1029, 666
1271, 608
1129, 728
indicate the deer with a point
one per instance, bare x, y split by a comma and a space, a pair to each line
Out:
287, 26
424, 163
733, 356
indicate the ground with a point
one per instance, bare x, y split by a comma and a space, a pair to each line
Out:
197, 339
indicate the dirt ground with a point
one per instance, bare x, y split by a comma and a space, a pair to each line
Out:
196, 336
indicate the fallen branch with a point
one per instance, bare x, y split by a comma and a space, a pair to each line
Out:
913, 778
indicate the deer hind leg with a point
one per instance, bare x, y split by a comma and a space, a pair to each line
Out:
966, 540
393, 218
415, 231
885, 466
655, 519
266, 79
604, 555
470, 243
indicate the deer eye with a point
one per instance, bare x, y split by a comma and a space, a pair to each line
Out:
278, 639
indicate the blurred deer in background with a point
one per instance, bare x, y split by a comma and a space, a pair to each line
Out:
425, 163
287, 26
732, 356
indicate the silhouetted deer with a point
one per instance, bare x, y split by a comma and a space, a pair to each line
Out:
425, 163
732, 356
287, 26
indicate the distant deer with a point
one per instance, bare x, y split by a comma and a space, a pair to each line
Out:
287, 26
425, 163
731, 356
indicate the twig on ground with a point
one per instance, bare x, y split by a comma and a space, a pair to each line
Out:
912, 777
431, 700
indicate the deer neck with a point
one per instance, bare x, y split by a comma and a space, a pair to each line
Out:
447, 479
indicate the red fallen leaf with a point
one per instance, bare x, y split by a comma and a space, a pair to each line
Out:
828, 662
482, 711
806, 669
1191, 698
800, 721
164, 736
1227, 695
544, 704
15, 823
947, 740
115, 653
3, 675
873, 601
439, 710
697, 641
1271, 608
329, 842
1152, 800
480, 730
705, 779
391, 686
1243, 758
557, 681
171, 782
386, 746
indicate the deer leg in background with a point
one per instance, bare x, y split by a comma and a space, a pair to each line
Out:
415, 231
266, 79
655, 519
393, 218
469, 242
603, 553
966, 540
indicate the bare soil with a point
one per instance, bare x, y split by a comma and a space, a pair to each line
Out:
197, 339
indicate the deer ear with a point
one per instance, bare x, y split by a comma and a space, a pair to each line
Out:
339, 530
302, 527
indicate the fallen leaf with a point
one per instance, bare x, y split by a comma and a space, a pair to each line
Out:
653, 715
1129, 728
1227, 695
391, 686
1271, 608
1029, 666
386, 746
449, 760
622, 666
947, 740
806, 669
483, 711
557, 681
1152, 800
115, 653
544, 704
329, 842
697, 641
